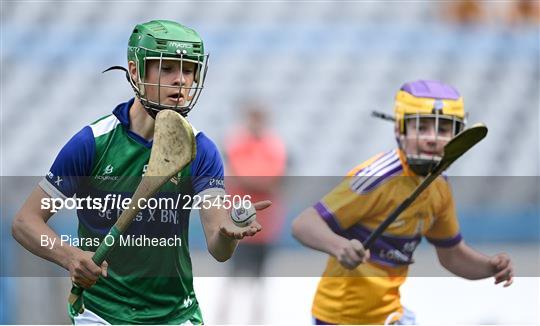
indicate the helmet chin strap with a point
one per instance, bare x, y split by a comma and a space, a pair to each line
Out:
150, 108
151, 111
420, 166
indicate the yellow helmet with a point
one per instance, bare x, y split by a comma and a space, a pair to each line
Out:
429, 98
426, 99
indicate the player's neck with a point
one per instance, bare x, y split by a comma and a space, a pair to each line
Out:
140, 122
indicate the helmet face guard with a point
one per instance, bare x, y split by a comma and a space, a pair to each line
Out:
444, 129
167, 41
153, 106
427, 104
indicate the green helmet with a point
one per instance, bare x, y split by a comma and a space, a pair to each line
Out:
166, 40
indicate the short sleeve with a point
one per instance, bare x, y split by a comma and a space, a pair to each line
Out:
361, 194
343, 206
445, 229
73, 162
207, 168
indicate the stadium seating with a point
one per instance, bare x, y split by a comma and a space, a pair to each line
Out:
320, 67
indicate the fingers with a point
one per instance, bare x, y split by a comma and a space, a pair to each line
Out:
495, 262
504, 275
366, 256
81, 282
509, 281
239, 233
356, 245
84, 272
348, 258
231, 232
251, 229
500, 261
104, 267
352, 254
352, 257
83, 277
247, 232
348, 264
503, 261
226, 231
504, 270
89, 270
501, 276
360, 250
256, 225
260, 205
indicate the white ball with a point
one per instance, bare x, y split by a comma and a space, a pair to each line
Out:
243, 216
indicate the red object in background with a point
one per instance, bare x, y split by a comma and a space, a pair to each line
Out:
256, 165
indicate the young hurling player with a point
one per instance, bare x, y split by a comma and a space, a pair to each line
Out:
362, 286
151, 284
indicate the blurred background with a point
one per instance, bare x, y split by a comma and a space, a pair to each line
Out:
319, 69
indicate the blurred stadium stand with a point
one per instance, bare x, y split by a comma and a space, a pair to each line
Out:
321, 66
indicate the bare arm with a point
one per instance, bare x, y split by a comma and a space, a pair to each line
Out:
222, 235
468, 263
30, 225
310, 229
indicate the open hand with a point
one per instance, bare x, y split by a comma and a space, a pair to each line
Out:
230, 230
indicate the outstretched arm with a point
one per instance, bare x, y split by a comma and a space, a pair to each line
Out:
468, 263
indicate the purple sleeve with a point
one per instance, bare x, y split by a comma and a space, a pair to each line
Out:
446, 243
74, 161
207, 168
328, 217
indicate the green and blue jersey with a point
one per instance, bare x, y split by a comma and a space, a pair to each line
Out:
146, 284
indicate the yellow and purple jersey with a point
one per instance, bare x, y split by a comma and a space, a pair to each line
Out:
360, 203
